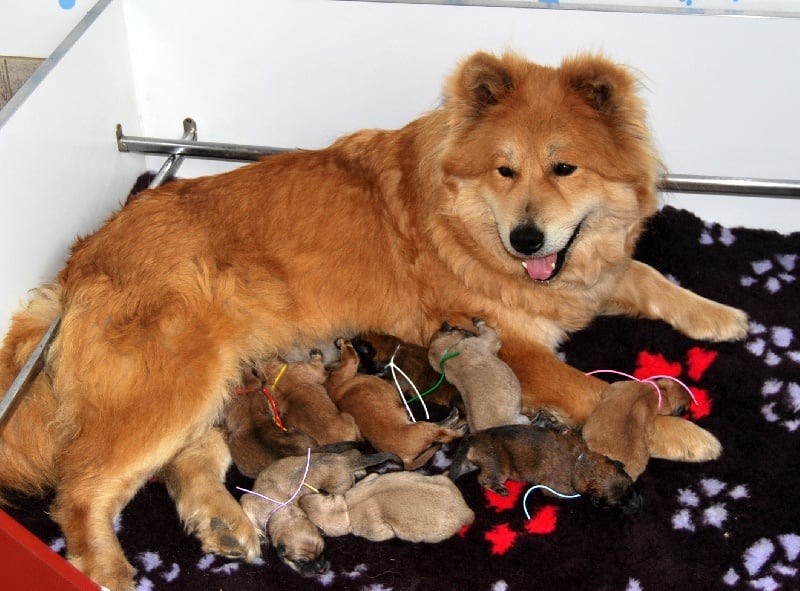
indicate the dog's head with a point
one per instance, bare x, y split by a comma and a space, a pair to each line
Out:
605, 482
303, 554
549, 168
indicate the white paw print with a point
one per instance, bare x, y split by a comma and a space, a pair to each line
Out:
151, 566
783, 403
767, 563
725, 236
706, 507
773, 345
773, 273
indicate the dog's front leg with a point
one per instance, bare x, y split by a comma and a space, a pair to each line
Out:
645, 292
194, 480
549, 384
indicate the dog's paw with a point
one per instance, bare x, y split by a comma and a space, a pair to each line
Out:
237, 539
716, 322
682, 441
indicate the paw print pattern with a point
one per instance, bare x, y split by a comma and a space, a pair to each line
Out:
783, 403
774, 345
150, 567
327, 579
772, 274
707, 506
723, 235
767, 564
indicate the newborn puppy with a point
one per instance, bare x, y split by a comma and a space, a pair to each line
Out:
303, 401
375, 351
295, 538
560, 460
405, 505
254, 440
621, 426
381, 416
488, 386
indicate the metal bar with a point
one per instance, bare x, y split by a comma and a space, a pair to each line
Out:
208, 150
29, 370
715, 185
173, 161
674, 183
34, 363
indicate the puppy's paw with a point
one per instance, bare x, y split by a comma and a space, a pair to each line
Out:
682, 441
716, 322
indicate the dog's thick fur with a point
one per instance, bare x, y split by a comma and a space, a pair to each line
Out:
384, 231
405, 505
490, 390
621, 427
381, 416
559, 459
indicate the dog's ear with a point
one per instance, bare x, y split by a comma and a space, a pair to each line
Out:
603, 85
481, 81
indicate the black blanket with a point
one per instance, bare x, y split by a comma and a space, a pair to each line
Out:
728, 524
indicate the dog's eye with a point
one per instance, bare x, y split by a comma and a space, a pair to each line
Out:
506, 172
563, 169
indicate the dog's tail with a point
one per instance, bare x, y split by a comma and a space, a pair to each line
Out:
28, 436
461, 464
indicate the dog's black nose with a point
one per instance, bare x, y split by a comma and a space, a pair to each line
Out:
526, 239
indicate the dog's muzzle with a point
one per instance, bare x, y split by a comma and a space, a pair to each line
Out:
528, 240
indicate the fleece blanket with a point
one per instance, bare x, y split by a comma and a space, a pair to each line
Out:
729, 524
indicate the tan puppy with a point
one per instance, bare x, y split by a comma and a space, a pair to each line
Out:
303, 401
254, 439
405, 505
381, 416
296, 540
518, 200
488, 386
621, 427
560, 460
376, 351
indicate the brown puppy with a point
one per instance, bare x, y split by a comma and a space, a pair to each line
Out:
405, 505
303, 401
519, 200
296, 539
381, 416
488, 386
621, 427
376, 351
560, 460
254, 439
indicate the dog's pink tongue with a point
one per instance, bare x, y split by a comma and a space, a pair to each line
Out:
542, 267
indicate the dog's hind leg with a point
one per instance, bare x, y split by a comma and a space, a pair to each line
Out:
194, 480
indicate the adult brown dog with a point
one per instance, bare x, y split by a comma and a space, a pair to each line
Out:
518, 201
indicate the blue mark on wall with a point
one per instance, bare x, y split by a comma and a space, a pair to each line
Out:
66, 4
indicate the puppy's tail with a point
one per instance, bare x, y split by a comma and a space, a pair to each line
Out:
28, 436
461, 464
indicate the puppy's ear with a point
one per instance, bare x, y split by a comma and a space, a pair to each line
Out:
481, 81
